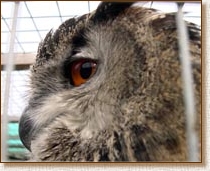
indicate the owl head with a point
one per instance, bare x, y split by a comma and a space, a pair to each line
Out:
107, 86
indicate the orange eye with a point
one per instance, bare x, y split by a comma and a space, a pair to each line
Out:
82, 70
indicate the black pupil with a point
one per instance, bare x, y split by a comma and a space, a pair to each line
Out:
86, 70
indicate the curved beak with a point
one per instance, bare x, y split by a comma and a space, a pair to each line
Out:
25, 129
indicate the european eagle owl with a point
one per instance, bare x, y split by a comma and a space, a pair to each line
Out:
107, 86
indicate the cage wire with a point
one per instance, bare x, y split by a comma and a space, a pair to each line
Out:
188, 92
13, 105
9, 69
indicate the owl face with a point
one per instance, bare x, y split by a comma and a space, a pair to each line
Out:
107, 87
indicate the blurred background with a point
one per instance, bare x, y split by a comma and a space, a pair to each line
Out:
23, 25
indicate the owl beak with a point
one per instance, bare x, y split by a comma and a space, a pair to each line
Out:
25, 130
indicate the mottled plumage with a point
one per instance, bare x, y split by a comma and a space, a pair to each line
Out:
131, 109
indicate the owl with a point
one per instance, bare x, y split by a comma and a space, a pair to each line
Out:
107, 86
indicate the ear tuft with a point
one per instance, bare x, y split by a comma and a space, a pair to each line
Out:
109, 10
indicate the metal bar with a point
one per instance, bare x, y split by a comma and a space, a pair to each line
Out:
20, 31
59, 11
89, 6
9, 69
192, 142
19, 58
35, 17
151, 4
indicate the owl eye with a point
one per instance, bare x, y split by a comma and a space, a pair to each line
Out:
81, 71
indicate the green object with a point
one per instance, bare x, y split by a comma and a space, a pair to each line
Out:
16, 150
13, 129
